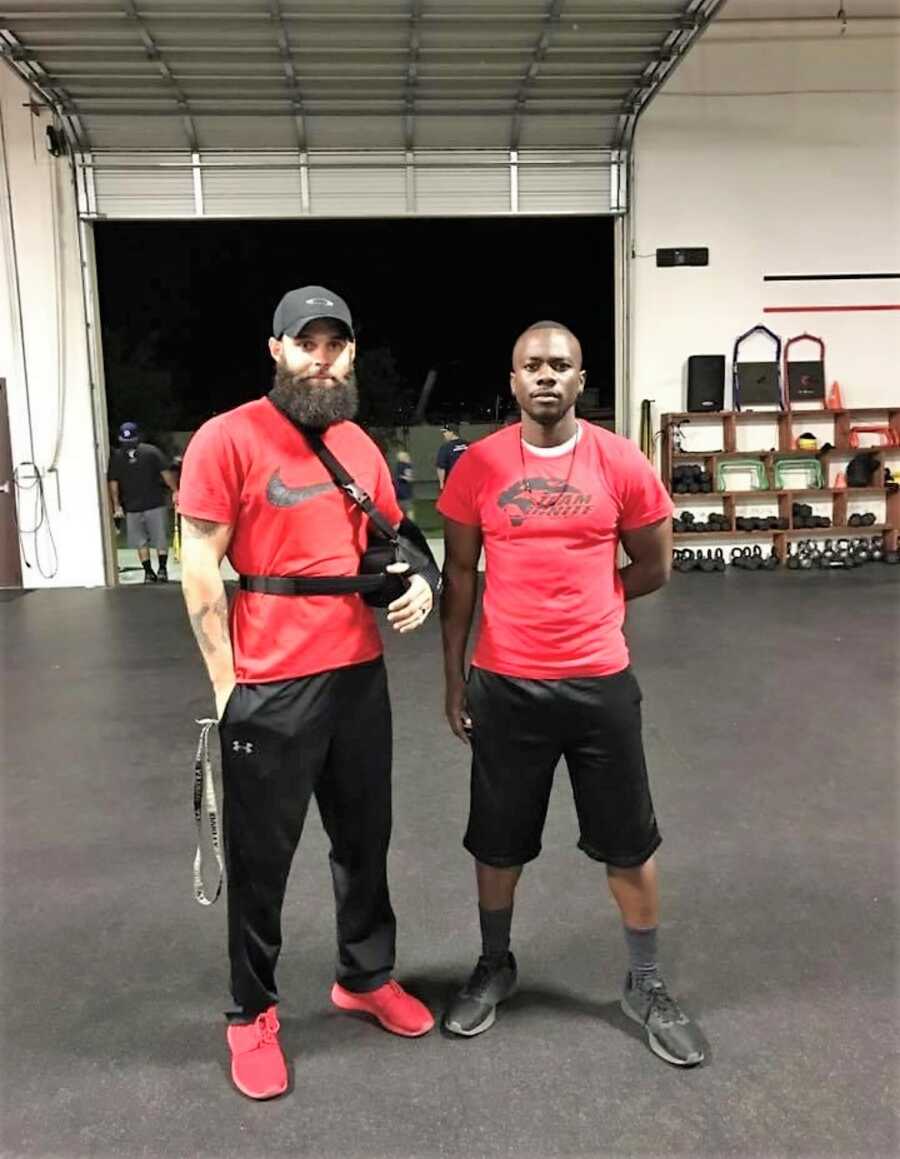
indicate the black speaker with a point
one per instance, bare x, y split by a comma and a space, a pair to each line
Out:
706, 382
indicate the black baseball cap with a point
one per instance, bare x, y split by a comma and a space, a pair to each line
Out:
129, 433
299, 307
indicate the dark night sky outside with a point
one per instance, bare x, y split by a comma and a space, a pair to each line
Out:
192, 303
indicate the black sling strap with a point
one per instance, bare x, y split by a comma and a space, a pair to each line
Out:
404, 544
347, 483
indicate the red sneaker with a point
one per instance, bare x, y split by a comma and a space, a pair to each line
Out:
396, 1010
258, 1069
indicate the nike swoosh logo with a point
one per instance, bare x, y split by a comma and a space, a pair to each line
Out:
280, 495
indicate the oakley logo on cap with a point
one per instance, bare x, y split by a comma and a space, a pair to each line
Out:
319, 302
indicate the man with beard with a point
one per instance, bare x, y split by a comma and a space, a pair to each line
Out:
299, 681
551, 499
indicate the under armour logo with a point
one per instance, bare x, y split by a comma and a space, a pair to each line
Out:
241, 747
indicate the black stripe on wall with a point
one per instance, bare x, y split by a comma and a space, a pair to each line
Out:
827, 277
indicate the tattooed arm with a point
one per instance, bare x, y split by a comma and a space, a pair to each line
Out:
203, 544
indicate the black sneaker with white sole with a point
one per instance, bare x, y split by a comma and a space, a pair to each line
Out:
162, 575
670, 1033
474, 1008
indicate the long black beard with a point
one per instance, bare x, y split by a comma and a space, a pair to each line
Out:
314, 406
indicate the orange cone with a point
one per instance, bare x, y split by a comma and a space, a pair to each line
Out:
840, 481
834, 401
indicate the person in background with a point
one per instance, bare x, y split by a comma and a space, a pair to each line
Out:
403, 483
140, 478
449, 452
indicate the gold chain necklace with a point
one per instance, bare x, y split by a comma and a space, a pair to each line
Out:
526, 482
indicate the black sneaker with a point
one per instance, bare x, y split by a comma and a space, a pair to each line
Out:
162, 575
149, 577
670, 1033
474, 1008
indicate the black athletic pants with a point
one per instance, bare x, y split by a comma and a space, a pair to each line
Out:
328, 734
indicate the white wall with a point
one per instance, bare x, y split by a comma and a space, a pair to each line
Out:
780, 151
41, 270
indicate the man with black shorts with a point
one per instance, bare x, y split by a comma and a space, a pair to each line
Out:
299, 681
550, 500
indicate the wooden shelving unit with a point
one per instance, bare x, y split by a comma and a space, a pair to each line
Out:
788, 424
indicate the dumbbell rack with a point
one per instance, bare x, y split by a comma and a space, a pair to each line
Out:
787, 422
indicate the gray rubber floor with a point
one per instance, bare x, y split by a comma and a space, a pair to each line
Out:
771, 713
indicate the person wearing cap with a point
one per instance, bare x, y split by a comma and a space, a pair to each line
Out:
449, 452
140, 479
299, 681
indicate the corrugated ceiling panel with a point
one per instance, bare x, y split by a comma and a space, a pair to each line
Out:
241, 132
268, 184
253, 191
447, 132
580, 184
127, 133
359, 191
144, 192
567, 131
354, 132
461, 188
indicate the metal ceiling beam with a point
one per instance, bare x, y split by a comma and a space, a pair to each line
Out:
483, 15
243, 50
153, 54
66, 76
290, 73
374, 159
551, 19
446, 107
412, 71
322, 92
697, 17
48, 91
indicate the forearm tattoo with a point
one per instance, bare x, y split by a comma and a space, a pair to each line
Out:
219, 609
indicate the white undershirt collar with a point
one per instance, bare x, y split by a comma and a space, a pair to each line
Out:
554, 452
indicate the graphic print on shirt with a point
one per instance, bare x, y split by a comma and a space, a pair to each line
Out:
539, 496
280, 495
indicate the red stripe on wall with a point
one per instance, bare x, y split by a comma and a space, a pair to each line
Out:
823, 309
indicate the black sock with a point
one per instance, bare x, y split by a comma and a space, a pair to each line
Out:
147, 568
642, 952
163, 560
495, 928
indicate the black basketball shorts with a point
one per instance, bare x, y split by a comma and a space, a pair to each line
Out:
520, 729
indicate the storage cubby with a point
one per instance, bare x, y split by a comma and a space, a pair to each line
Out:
733, 433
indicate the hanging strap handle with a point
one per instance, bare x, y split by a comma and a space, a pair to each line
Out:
204, 785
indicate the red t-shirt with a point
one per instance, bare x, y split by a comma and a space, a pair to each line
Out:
251, 468
553, 602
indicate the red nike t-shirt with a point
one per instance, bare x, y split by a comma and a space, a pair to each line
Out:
553, 604
250, 467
